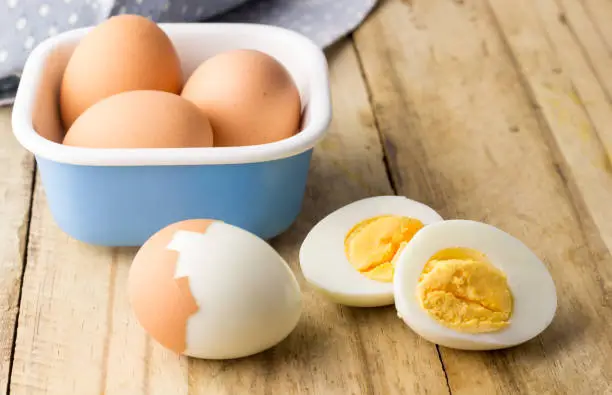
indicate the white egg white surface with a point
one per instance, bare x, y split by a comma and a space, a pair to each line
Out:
532, 287
248, 297
323, 260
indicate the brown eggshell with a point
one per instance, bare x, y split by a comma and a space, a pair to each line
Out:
126, 52
141, 119
249, 97
161, 303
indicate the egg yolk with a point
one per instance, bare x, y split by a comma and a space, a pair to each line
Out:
372, 245
463, 291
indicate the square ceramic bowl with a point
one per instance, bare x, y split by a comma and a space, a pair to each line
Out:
120, 197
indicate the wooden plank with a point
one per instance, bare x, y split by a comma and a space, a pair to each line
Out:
64, 311
577, 113
462, 135
16, 174
600, 12
566, 88
575, 27
77, 335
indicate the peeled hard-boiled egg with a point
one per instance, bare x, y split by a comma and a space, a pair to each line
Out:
211, 290
468, 285
249, 97
141, 119
124, 53
350, 254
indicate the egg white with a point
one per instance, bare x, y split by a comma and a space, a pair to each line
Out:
248, 298
323, 260
532, 287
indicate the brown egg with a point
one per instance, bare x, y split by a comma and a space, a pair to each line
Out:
249, 97
141, 119
161, 302
126, 52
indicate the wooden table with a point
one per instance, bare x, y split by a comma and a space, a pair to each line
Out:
497, 110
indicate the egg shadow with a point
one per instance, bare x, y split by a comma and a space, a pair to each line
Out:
128, 251
304, 345
365, 314
299, 349
565, 330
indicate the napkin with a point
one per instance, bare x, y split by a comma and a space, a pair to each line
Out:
25, 23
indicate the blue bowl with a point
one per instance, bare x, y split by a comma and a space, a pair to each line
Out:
120, 197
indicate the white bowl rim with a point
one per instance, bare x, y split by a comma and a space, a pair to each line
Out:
319, 107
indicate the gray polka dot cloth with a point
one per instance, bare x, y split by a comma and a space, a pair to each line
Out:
25, 23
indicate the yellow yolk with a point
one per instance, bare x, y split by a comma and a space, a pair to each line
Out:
372, 245
462, 290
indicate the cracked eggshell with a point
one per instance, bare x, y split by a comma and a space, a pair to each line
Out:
211, 290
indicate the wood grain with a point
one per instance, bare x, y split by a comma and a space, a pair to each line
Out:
490, 110
16, 172
463, 134
576, 28
77, 334
599, 13
62, 326
573, 104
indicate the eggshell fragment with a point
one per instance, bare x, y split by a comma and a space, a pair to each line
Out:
162, 302
249, 97
141, 119
126, 52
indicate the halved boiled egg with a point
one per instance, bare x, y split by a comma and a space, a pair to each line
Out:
468, 285
350, 254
